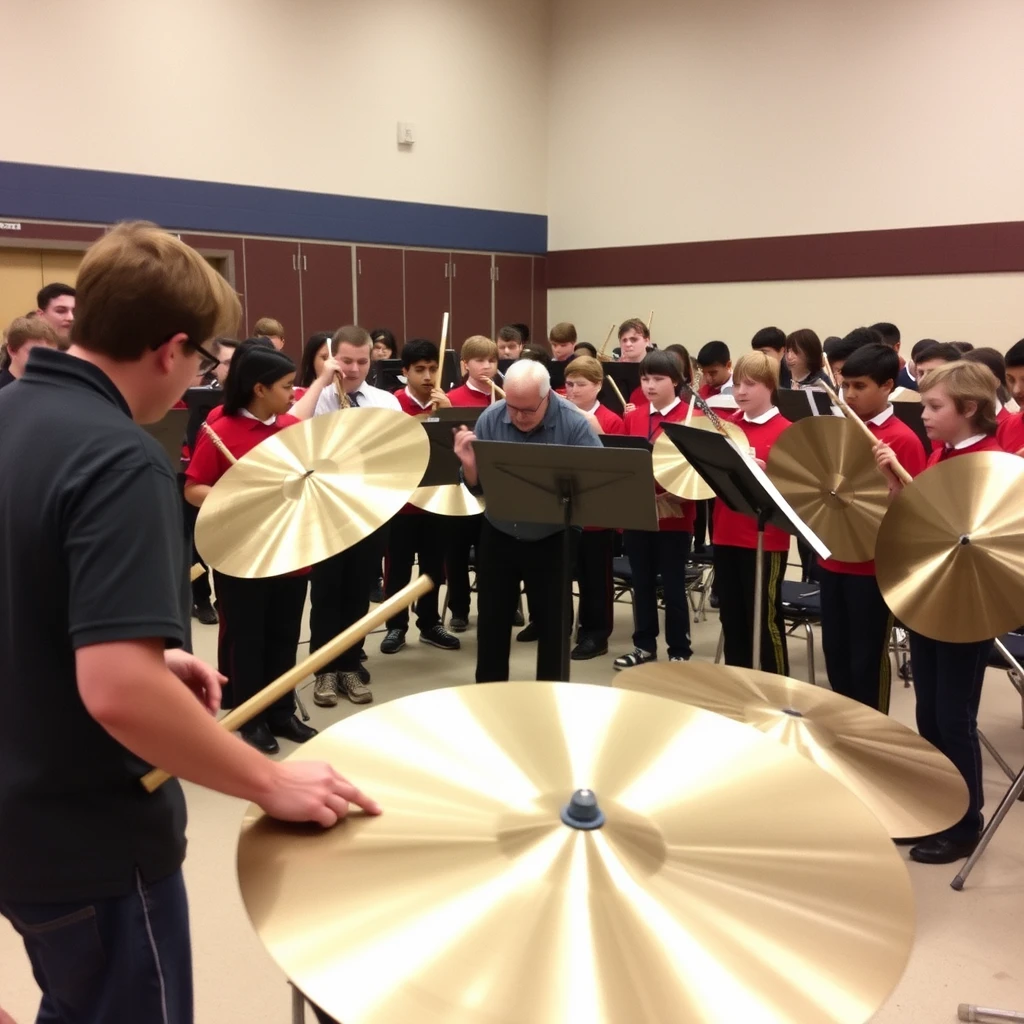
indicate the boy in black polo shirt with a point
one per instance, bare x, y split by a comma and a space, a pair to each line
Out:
91, 540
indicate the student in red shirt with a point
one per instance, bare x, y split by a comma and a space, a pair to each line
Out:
856, 623
415, 532
666, 552
1009, 425
755, 386
563, 341
479, 356
259, 619
716, 367
959, 411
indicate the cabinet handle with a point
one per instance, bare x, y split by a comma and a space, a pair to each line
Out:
446, 270
304, 266
453, 268
497, 273
295, 262
359, 266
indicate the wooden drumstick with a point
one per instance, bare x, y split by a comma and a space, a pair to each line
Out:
259, 702
495, 390
828, 369
615, 388
219, 444
343, 401
903, 476
650, 320
196, 572
611, 331
440, 355
689, 413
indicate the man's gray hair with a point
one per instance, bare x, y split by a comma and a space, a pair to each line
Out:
529, 371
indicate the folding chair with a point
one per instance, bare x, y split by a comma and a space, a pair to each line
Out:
801, 606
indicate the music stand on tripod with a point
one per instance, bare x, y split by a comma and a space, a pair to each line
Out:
569, 486
740, 482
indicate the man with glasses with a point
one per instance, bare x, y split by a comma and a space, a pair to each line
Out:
509, 551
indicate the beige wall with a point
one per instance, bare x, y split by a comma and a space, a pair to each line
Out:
986, 309
674, 120
301, 94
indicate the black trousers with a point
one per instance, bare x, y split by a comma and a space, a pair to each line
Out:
734, 574
594, 574
502, 561
259, 631
855, 628
201, 587
665, 553
424, 535
947, 684
810, 570
464, 534
339, 594
702, 524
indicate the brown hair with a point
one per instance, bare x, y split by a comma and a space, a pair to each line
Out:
29, 329
967, 382
138, 286
586, 367
478, 347
563, 332
994, 360
268, 327
808, 344
634, 324
351, 335
760, 368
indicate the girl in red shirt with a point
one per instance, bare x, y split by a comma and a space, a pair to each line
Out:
755, 386
666, 552
959, 412
259, 619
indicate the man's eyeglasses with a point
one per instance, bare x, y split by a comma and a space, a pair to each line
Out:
207, 359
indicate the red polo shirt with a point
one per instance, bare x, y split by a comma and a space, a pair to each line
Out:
465, 396
640, 423
986, 444
411, 406
1010, 430
611, 423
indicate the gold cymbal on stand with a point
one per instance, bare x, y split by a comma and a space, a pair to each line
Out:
951, 549
675, 474
311, 491
827, 472
729, 881
447, 500
912, 788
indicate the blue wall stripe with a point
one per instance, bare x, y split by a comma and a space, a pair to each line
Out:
39, 192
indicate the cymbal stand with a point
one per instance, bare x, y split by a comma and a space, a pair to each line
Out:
986, 1015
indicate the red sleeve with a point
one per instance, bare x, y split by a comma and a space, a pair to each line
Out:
611, 423
207, 465
910, 453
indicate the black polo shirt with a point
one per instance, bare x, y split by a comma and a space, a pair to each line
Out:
91, 544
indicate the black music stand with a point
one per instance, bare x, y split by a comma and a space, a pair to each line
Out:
444, 466
740, 482
570, 486
200, 402
797, 404
170, 432
626, 376
911, 414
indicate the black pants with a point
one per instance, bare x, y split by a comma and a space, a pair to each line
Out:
651, 554
339, 595
502, 561
810, 571
259, 632
464, 534
734, 574
594, 573
702, 524
424, 535
947, 683
855, 628
201, 587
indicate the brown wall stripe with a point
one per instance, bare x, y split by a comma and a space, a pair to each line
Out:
953, 249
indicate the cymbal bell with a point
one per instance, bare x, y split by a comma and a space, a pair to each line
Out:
674, 472
447, 500
730, 880
950, 554
912, 788
311, 491
826, 470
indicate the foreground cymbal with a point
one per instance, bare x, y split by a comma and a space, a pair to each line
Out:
311, 491
826, 470
950, 554
447, 500
731, 880
676, 475
912, 788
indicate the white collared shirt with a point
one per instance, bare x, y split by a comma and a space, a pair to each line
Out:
999, 407
369, 398
886, 414
413, 398
666, 410
593, 412
763, 418
266, 423
967, 444
479, 391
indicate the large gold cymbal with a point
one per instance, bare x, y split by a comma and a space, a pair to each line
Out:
731, 880
826, 470
447, 500
311, 491
675, 474
912, 788
950, 555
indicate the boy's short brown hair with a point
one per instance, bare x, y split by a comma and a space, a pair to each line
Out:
967, 382
511, 333
29, 329
268, 327
760, 368
351, 335
139, 285
478, 347
586, 367
563, 332
634, 324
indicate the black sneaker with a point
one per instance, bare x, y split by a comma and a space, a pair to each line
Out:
637, 656
364, 676
393, 642
203, 611
459, 623
377, 592
588, 648
528, 635
438, 636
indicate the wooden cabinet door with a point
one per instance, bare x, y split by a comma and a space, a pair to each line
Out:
427, 293
513, 291
327, 301
272, 288
472, 308
380, 289
539, 323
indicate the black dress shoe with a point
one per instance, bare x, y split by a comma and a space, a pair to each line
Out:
292, 729
260, 737
364, 675
943, 850
528, 635
203, 611
517, 619
910, 840
588, 648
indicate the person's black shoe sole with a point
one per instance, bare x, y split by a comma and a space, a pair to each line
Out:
293, 730
938, 850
